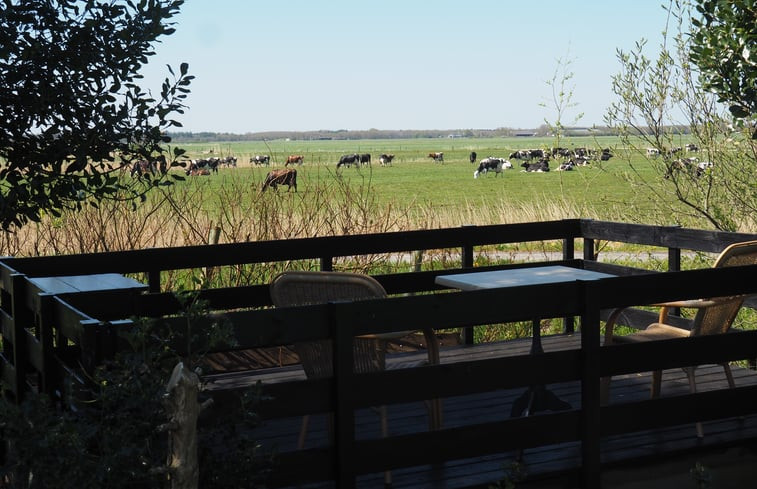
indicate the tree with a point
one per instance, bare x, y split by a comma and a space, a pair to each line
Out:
656, 98
73, 112
722, 46
562, 98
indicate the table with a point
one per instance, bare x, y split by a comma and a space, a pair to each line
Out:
536, 397
86, 283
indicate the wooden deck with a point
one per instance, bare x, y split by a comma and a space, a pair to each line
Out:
545, 465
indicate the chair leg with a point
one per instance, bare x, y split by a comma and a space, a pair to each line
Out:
434, 408
656, 383
604, 390
303, 432
729, 375
384, 434
693, 388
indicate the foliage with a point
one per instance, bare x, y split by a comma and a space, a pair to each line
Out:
715, 184
723, 47
73, 112
108, 435
562, 98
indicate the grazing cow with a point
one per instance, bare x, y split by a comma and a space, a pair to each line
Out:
140, 167
260, 160
286, 176
386, 159
472, 156
521, 154
692, 148
653, 152
348, 160
438, 157
229, 161
492, 164
365, 159
209, 164
540, 166
294, 159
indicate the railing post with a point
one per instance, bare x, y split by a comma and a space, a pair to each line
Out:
590, 386
589, 249
327, 263
153, 281
344, 411
568, 253
466, 261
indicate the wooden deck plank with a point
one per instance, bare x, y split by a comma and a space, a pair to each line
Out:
281, 434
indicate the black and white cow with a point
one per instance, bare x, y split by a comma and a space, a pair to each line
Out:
540, 166
203, 166
260, 160
365, 159
348, 160
386, 159
492, 164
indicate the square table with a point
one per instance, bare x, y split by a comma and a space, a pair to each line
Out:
86, 283
536, 397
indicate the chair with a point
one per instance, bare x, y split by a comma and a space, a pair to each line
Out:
302, 288
714, 316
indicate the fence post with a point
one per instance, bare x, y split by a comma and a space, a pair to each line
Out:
568, 253
466, 259
590, 386
327, 264
344, 412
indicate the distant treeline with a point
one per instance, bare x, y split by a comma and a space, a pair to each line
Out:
541, 131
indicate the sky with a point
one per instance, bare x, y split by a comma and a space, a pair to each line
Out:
302, 65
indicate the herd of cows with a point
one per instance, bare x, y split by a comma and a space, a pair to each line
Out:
530, 160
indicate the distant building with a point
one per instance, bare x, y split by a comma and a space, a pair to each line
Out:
525, 134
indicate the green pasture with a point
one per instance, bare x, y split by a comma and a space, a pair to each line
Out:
600, 189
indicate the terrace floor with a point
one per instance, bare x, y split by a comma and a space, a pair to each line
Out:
728, 449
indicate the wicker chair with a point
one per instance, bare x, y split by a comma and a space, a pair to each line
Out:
714, 316
301, 288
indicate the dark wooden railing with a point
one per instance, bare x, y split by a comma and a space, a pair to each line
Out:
45, 337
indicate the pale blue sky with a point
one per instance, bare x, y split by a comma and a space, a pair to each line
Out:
396, 64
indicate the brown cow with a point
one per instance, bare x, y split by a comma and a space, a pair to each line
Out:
294, 159
436, 156
287, 176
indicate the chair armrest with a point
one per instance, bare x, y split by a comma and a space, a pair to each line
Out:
610, 324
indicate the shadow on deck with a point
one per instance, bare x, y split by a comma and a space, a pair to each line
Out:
664, 456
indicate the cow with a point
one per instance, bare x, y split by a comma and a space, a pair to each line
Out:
348, 160
692, 148
285, 176
209, 164
386, 159
567, 165
260, 160
438, 157
140, 167
540, 166
472, 156
521, 154
653, 152
492, 164
606, 154
229, 161
294, 159
365, 159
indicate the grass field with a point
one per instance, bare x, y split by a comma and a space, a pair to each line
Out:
415, 182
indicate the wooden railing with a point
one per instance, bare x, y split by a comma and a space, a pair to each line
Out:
45, 336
